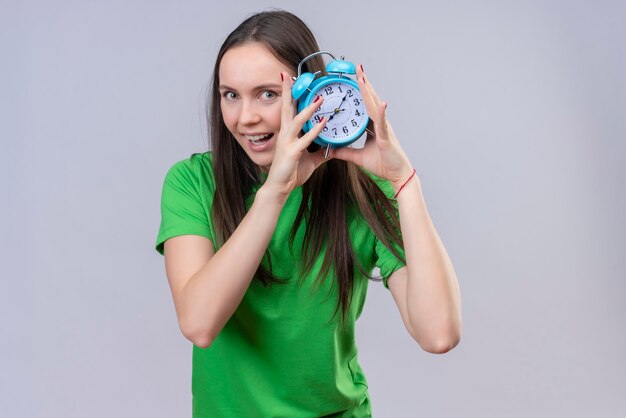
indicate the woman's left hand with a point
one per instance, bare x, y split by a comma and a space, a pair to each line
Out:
382, 155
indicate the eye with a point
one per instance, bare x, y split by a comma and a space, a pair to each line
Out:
269, 95
229, 95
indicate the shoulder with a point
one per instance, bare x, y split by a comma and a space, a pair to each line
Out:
192, 176
197, 168
195, 163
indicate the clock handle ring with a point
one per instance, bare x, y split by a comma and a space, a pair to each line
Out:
311, 56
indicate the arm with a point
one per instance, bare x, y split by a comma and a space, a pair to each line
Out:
426, 291
205, 300
207, 286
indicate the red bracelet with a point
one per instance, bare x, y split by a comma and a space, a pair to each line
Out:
401, 187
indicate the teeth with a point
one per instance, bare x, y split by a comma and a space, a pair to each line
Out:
257, 137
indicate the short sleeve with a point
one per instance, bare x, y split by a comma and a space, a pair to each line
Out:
384, 258
184, 209
386, 261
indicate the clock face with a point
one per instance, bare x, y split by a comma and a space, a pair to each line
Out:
344, 110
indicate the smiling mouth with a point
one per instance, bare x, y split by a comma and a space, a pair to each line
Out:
258, 139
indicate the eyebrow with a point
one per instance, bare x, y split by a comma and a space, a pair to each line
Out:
261, 87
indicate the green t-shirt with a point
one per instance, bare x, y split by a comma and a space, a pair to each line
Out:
279, 355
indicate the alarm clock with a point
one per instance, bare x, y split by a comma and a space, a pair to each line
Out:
343, 104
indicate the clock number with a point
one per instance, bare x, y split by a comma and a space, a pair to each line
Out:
357, 102
335, 131
318, 118
328, 90
345, 130
349, 93
325, 129
357, 113
340, 91
354, 123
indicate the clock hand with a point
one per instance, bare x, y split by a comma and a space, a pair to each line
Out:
344, 99
332, 111
339, 109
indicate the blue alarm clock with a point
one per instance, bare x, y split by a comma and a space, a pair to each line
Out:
343, 104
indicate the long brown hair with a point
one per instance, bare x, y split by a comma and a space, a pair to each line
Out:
348, 191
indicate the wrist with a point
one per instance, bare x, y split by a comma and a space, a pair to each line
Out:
399, 184
271, 195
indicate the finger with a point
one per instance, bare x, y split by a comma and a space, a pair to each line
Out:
378, 110
288, 108
317, 157
306, 114
368, 87
310, 136
349, 154
370, 102
382, 126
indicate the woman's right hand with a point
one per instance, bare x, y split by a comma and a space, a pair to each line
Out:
293, 164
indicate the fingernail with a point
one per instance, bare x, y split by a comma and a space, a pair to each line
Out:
364, 80
317, 99
282, 77
361, 65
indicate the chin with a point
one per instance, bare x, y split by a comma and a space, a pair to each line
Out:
262, 161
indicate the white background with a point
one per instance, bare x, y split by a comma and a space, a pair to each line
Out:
512, 113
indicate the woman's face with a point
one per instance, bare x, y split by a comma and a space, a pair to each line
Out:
250, 91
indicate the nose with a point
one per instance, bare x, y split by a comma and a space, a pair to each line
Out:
249, 114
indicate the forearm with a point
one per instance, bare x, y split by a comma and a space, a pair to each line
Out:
433, 295
212, 295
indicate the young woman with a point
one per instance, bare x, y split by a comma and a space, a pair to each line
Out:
269, 245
